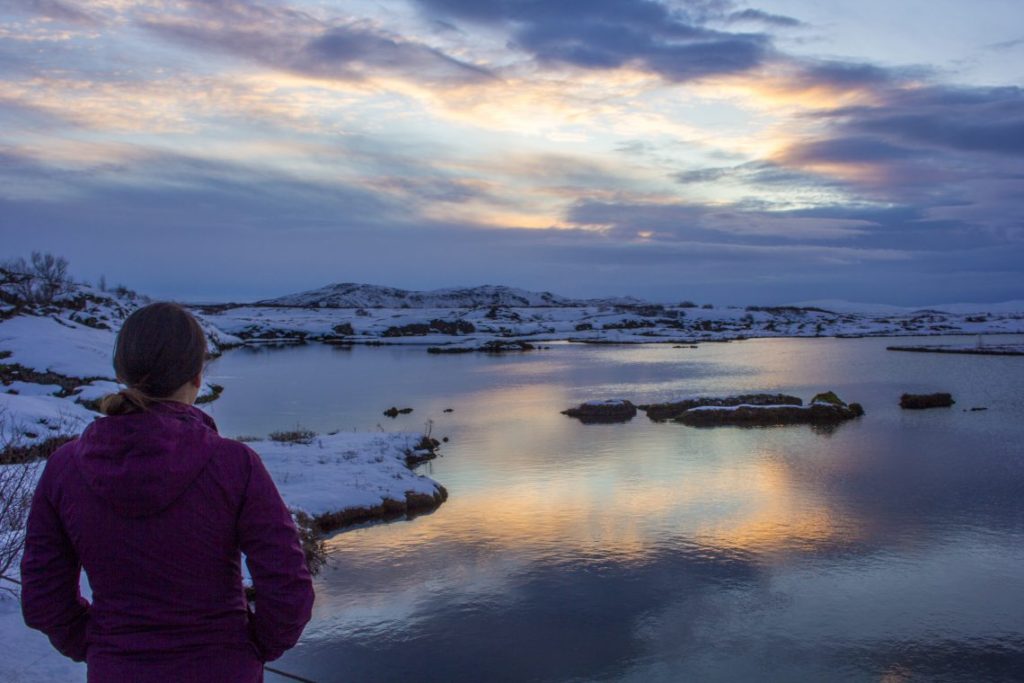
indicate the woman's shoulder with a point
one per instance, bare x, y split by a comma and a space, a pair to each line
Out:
58, 464
234, 454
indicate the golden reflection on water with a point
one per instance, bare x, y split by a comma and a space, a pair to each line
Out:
752, 505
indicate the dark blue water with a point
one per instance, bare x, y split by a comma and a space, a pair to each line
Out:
890, 549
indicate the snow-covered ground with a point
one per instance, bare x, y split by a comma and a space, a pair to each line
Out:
56, 361
346, 470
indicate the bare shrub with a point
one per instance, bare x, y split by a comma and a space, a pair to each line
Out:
17, 483
313, 545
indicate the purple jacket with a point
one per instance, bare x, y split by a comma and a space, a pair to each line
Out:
156, 507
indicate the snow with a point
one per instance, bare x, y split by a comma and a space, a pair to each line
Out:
34, 419
606, 403
344, 470
36, 660
47, 344
97, 390
752, 405
31, 389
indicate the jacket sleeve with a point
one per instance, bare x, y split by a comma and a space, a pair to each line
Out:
50, 570
281, 579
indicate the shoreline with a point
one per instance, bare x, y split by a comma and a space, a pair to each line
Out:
682, 341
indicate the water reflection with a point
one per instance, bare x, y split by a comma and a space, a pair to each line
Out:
889, 549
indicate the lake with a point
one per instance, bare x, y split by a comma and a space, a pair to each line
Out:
888, 549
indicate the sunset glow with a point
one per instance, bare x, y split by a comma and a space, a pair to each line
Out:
365, 131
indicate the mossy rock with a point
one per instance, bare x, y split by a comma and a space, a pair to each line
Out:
659, 412
922, 401
828, 397
770, 415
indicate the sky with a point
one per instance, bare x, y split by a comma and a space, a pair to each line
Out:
765, 153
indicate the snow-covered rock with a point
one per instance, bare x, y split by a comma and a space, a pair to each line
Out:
609, 410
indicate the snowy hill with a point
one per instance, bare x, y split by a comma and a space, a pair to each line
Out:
353, 295
842, 306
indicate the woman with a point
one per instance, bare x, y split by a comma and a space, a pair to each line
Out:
156, 507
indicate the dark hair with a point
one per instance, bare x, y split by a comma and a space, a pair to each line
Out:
160, 347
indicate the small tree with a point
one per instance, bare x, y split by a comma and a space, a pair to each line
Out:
51, 274
37, 281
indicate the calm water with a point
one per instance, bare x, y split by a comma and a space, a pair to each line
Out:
891, 549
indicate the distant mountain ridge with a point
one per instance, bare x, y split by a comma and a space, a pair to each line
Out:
355, 295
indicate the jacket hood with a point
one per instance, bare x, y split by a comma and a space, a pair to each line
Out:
142, 462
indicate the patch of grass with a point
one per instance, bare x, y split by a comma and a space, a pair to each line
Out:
247, 438
297, 435
14, 453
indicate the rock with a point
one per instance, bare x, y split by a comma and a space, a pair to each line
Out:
920, 401
501, 345
395, 412
612, 410
410, 330
659, 412
452, 327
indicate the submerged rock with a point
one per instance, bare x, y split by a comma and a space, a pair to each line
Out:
491, 346
612, 410
660, 412
920, 401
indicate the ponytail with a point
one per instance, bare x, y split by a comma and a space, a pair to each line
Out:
125, 402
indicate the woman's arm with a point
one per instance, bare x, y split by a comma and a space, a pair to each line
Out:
284, 588
50, 570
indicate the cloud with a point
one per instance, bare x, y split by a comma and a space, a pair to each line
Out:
54, 10
851, 150
691, 223
767, 19
611, 34
950, 152
989, 120
773, 174
845, 75
296, 42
